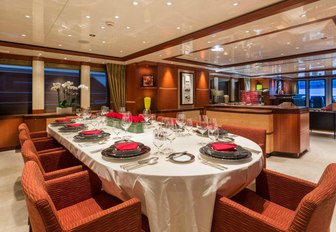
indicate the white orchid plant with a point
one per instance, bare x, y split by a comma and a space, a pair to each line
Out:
69, 92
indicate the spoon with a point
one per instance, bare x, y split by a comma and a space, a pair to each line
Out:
150, 162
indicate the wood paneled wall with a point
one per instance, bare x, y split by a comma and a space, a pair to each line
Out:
164, 94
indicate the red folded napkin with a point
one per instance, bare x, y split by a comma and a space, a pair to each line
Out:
127, 146
63, 120
224, 146
75, 124
91, 132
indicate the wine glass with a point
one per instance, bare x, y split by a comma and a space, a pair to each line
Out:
158, 140
180, 119
188, 125
202, 125
213, 134
126, 122
116, 131
147, 115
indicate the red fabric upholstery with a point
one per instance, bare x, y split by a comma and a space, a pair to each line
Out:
33, 135
280, 203
76, 203
53, 164
257, 135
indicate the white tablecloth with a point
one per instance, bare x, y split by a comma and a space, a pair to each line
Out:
175, 197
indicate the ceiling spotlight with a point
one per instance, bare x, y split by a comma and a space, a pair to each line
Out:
69, 35
28, 16
288, 43
178, 28
235, 4
60, 45
169, 3
128, 27
65, 58
217, 48
102, 27
23, 35
144, 42
297, 48
303, 15
225, 53
103, 41
135, 3
121, 51
282, 54
116, 17
88, 16
90, 49
247, 31
209, 42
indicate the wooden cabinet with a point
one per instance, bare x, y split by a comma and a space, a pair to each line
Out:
323, 120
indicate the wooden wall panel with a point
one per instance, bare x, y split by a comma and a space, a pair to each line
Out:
167, 87
9, 136
36, 124
202, 88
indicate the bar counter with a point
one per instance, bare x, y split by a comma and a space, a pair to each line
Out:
287, 128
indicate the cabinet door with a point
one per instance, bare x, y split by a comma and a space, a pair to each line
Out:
322, 121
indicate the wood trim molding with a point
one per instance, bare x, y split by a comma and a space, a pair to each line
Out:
38, 111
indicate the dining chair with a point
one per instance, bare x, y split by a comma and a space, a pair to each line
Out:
41, 145
257, 135
33, 135
52, 164
76, 203
280, 203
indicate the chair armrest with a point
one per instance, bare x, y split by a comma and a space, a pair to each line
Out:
44, 144
58, 159
123, 217
231, 216
38, 134
63, 172
75, 188
282, 189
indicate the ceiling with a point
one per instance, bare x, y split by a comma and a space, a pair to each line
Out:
252, 38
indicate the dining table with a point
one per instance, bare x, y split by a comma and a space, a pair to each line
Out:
175, 196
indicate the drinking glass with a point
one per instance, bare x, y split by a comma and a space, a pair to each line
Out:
202, 126
158, 140
188, 125
116, 131
147, 116
126, 122
213, 134
180, 119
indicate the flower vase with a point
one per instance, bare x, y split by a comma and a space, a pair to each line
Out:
66, 110
114, 122
137, 127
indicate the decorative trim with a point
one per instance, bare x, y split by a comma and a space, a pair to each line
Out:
130, 102
164, 88
38, 111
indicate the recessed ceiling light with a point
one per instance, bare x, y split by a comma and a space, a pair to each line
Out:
121, 51
65, 58
40, 54
247, 31
102, 27
90, 49
209, 42
235, 4
87, 16
225, 53
282, 54
297, 48
178, 28
303, 15
135, 3
69, 35
169, 3
28, 16
103, 41
60, 45
217, 48
144, 42
128, 27
23, 35
235, 47
116, 17
288, 43
160, 55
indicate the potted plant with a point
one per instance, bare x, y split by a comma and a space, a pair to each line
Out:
66, 95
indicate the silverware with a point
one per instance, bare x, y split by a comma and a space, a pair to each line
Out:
251, 150
176, 154
212, 164
150, 162
144, 161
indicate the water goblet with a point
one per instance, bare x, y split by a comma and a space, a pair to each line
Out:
213, 134
158, 140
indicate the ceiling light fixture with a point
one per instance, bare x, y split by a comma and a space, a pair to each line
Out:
209, 42
235, 4
121, 51
297, 48
102, 27
60, 45
178, 28
144, 42
23, 35
87, 16
303, 15
65, 58
28, 16
247, 31
116, 17
135, 3
103, 41
128, 27
90, 49
217, 48
169, 3
69, 35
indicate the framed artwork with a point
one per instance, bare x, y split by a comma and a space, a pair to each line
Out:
187, 88
147, 81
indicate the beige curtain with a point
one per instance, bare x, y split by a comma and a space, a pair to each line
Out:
116, 76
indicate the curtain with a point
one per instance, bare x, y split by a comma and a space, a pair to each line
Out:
116, 77
247, 84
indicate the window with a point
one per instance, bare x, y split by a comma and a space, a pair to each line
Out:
300, 98
52, 75
219, 87
15, 89
317, 93
98, 90
333, 89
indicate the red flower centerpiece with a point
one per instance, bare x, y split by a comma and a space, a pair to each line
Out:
137, 124
113, 119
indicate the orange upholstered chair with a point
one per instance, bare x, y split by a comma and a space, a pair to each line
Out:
280, 203
76, 203
257, 135
41, 145
52, 164
33, 135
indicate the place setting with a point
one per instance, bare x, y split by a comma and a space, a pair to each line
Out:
62, 122
94, 135
72, 127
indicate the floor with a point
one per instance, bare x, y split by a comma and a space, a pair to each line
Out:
13, 214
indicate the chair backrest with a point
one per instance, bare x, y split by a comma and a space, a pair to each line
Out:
23, 136
314, 213
23, 126
29, 153
257, 135
41, 210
